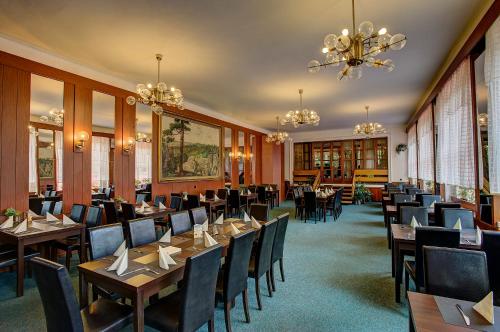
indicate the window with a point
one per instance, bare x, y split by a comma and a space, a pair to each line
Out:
412, 153
425, 147
100, 161
143, 162
33, 176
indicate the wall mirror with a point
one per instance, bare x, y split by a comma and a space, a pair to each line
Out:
241, 157
228, 165
143, 149
252, 158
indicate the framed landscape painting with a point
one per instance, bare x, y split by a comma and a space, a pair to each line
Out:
188, 149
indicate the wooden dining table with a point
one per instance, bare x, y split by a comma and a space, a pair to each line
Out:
403, 240
153, 212
48, 231
274, 195
209, 204
322, 201
249, 198
141, 284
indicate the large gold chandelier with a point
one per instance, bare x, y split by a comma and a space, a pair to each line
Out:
368, 128
355, 48
302, 116
158, 94
279, 136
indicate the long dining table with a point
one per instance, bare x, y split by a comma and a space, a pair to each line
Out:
147, 278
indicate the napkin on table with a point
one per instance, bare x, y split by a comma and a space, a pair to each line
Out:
22, 227
216, 197
197, 231
120, 249
246, 218
120, 264
51, 217
413, 222
433, 204
144, 205
9, 223
458, 224
249, 192
234, 230
202, 198
67, 221
256, 224
161, 206
141, 209
485, 308
215, 230
32, 214
209, 241
166, 238
220, 220
205, 226
164, 258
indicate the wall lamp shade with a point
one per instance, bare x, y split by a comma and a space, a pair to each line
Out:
80, 139
128, 145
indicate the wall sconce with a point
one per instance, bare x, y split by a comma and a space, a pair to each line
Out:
250, 156
80, 140
129, 145
236, 155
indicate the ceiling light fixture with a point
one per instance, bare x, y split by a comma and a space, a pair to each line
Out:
302, 116
56, 116
157, 95
368, 128
358, 48
279, 136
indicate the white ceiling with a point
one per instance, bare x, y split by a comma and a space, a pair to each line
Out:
247, 59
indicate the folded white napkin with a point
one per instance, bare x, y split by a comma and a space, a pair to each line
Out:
485, 308
67, 220
144, 205
242, 192
171, 250
478, 236
22, 227
32, 214
234, 230
197, 231
41, 196
249, 192
205, 226
140, 210
413, 222
202, 198
119, 251
164, 258
215, 230
161, 206
216, 197
256, 224
166, 238
120, 265
433, 204
51, 217
9, 223
246, 218
220, 220
458, 224
209, 241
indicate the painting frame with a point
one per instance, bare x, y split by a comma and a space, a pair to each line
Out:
46, 168
169, 179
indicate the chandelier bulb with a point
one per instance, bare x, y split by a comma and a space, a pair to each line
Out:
345, 32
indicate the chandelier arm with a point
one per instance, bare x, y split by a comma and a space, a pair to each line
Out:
327, 64
353, 20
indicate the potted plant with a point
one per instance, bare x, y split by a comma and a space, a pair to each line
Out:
11, 212
361, 194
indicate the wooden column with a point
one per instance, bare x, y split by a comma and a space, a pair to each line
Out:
495, 207
246, 160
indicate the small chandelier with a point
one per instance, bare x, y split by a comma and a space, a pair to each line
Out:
354, 49
56, 116
368, 128
483, 120
159, 94
302, 116
141, 137
279, 136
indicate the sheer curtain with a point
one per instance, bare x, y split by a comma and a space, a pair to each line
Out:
455, 137
33, 169
425, 149
143, 160
492, 78
412, 152
100, 161
59, 159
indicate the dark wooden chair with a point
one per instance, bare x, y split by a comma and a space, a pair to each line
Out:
180, 222
278, 247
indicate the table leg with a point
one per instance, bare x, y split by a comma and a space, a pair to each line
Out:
84, 293
399, 271
393, 262
138, 303
20, 268
324, 212
83, 248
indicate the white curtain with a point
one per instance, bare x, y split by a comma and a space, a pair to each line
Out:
100, 161
143, 159
59, 159
425, 148
412, 152
492, 78
32, 164
455, 160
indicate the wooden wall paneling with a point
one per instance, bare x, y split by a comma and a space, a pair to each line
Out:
1, 140
68, 142
246, 160
82, 162
267, 162
258, 158
235, 181
22, 140
117, 165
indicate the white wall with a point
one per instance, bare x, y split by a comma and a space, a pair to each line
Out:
398, 165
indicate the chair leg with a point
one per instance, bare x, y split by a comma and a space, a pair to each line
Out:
282, 270
245, 305
407, 283
257, 292
211, 325
227, 315
68, 259
268, 281
272, 277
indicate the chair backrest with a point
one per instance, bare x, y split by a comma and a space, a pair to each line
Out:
400, 205
438, 212
47, 206
252, 188
193, 201
62, 312
35, 204
222, 193
400, 198
450, 217
210, 194
419, 197
392, 193
94, 217
160, 199
234, 198
491, 246
259, 211
142, 231
107, 192
46, 193
310, 201
413, 191
53, 193
139, 198
111, 213
432, 236
456, 273
261, 193
176, 202
198, 215
180, 222
408, 212
427, 200
485, 199
279, 238
78, 213
265, 247
198, 290
58, 207
104, 240
486, 213
128, 211
236, 264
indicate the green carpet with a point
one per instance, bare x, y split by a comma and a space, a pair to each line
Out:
338, 278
